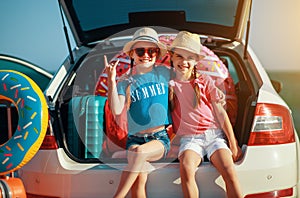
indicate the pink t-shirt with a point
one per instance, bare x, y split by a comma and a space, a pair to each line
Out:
188, 120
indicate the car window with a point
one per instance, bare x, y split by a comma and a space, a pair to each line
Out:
204, 11
231, 69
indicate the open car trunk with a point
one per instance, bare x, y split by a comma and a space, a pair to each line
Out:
83, 101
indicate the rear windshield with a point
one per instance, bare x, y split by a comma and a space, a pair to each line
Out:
97, 14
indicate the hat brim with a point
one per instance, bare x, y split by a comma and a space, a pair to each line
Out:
171, 49
128, 47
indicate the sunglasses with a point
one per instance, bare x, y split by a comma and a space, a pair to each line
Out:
153, 51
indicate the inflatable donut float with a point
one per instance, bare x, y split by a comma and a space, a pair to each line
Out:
31, 105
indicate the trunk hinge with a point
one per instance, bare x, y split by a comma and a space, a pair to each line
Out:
66, 34
247, 31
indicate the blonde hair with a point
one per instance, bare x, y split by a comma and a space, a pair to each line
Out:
196, 88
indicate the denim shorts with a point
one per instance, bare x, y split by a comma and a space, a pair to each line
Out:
204, 144
140, 139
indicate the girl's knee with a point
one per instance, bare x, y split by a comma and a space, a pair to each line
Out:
188, 163
187, 167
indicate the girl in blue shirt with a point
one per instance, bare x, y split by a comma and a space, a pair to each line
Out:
145, 95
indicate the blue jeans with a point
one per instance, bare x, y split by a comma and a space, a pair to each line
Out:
140, 139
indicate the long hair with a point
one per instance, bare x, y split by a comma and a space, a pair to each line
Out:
196, 88
128, 95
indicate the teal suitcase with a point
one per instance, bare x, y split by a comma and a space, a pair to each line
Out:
86, 126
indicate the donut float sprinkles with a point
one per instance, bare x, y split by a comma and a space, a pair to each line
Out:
32, 109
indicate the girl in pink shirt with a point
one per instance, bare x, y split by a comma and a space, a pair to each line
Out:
199, 119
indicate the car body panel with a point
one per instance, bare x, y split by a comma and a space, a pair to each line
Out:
267, 90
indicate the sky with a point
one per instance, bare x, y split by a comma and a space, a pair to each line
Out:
33, 30
275, 33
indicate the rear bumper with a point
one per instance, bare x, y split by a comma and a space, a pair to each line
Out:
269, 168
263, 169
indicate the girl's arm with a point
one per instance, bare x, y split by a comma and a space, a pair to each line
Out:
226, 126
116, 102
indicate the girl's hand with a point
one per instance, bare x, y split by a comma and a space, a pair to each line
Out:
236, 152
110, 69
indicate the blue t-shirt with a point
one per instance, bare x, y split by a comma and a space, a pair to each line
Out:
149, 99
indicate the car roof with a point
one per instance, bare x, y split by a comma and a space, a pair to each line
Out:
92, 21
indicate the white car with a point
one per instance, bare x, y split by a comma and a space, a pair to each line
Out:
73, 162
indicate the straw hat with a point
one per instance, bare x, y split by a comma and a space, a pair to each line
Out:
187, 41
145, 34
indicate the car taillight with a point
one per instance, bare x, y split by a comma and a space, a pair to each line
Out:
272, 124
49, 141
273, 194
